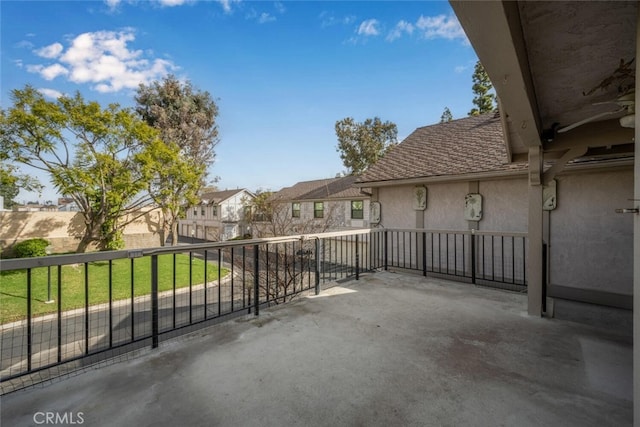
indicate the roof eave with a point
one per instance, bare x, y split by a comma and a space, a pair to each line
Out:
476, 176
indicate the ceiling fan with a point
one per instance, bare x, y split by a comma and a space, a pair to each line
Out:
626, 104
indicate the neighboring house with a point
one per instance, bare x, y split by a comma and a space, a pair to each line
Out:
320, 205
220, 215
449, 162
67, 204
35, 207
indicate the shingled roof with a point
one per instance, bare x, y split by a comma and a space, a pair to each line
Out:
216, 197
321, 189
464, 146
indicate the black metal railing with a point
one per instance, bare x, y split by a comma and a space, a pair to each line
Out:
482, 258
61, 313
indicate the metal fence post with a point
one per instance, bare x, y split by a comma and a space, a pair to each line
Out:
544, 277
29, 328
424, 253
357, 260
317, 267
154, 301
473, 257
256, 278
386, 250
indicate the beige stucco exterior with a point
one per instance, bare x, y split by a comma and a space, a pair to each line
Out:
64, 229
589, 246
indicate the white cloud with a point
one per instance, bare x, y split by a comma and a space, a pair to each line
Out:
104, 59
402, 27
227, 5
51, 51
171, 3
50, 93
327, 19
265, 17
53, 71
460, 68
279, 7
24, 44
441, 26
369, 28
113, 4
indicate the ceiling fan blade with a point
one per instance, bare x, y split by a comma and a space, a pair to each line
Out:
590, 119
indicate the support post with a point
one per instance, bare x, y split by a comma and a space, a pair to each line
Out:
357, 260
424, 253
256, 279
317, 267
636, 249
472, 239
386, 250
154, 301
535, 266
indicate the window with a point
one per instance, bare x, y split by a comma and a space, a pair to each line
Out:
357, 210
295, 210
202, 211
195, 212
318, 209
215, 210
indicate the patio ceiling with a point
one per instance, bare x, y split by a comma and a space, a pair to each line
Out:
550, 62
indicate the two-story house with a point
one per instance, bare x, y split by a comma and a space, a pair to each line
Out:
220, 215
321, 205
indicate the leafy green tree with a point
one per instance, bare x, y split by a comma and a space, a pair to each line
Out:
89, 153
172, 183
259, 207
446, 115
11, 182
186, 120
483, 97
362, 144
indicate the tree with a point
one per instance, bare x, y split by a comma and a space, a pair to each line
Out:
11, 182
280, 273
362, 144
483, 99
186, 119
446, 115
259, 208
90, 154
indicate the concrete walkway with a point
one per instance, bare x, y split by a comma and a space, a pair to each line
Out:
388, 350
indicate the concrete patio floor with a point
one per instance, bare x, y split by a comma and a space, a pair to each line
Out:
390, 349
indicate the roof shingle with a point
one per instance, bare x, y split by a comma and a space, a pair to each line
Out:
321, 189
469, 145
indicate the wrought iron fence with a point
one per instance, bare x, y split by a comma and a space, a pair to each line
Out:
483, 258
62, 313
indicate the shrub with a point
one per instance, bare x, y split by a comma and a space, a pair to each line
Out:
30, 248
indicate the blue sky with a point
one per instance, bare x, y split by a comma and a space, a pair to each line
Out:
282, 73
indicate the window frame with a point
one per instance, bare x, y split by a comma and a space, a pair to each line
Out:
295, 213
361, 210
318, 213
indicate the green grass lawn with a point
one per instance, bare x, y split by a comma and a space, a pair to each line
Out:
13, 284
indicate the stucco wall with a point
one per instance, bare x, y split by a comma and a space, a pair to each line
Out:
64, 230
445, 207
591, 245
396, 207
505, 204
